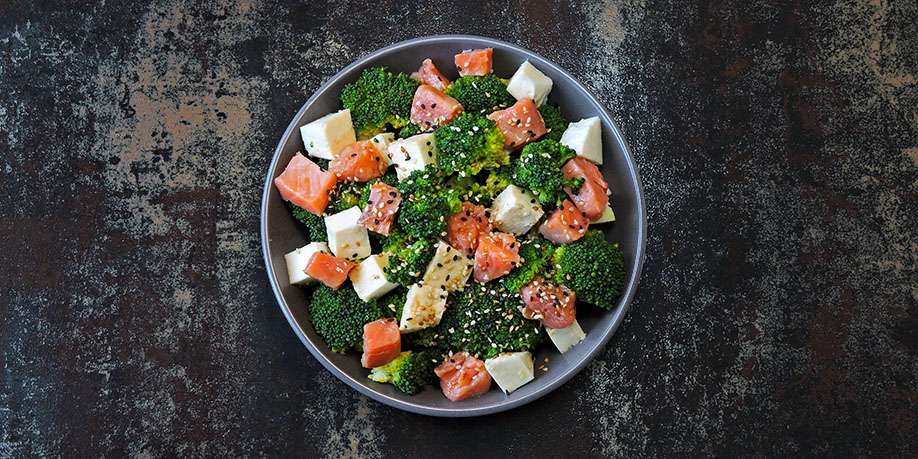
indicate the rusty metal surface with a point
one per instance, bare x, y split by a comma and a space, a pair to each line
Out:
778, 144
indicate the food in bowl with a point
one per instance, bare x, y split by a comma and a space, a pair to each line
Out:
451, 225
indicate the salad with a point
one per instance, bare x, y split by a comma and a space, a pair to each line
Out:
451, 225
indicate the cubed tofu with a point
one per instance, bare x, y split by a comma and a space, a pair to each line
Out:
566, 338
510, 370
369, 278
424, 307
515, 210
299, 258
328, 135
413, 154
347, 238
382, 142
529, 83
607, 216
585, 137
448, 268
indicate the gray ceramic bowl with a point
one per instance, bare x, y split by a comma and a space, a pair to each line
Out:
279, 233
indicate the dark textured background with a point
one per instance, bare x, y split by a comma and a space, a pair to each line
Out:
777, 311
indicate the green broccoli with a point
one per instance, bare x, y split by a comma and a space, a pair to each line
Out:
426, 204
593, 268
555, 122
535, 259
315, 225
481, 94
345, 195
427, 338
487, 321
390, 178
378, 98
469, 144
409, 130
538, 168
497, 181
393, 302
408, 258
338, 316
410, 371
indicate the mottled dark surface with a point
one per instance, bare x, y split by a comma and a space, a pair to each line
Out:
777, 311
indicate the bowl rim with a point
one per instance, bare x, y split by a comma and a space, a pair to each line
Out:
460, 410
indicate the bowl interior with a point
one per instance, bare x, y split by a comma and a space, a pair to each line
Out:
281, 235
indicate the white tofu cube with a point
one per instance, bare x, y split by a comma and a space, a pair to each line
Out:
585, 137
326, 136
515, 210
448, 268
369, 278
382, 142
529, 83
566, 338
607, 216
413, 154
298, 259
510, 370
424, 307
347, 238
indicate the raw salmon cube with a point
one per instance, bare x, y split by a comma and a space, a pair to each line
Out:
382, 343
329, 270
475, 62
305, 184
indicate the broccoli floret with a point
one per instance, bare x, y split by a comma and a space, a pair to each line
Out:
555, 122
426, 204
469, 144
314, 224
539, 169
338, 316
427, 338
410, 371
593, 268
535, 259
409, 130
408, 258
389, 178
345, 195
481, 94
485, 323
378, 98
393, 302
497, 181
